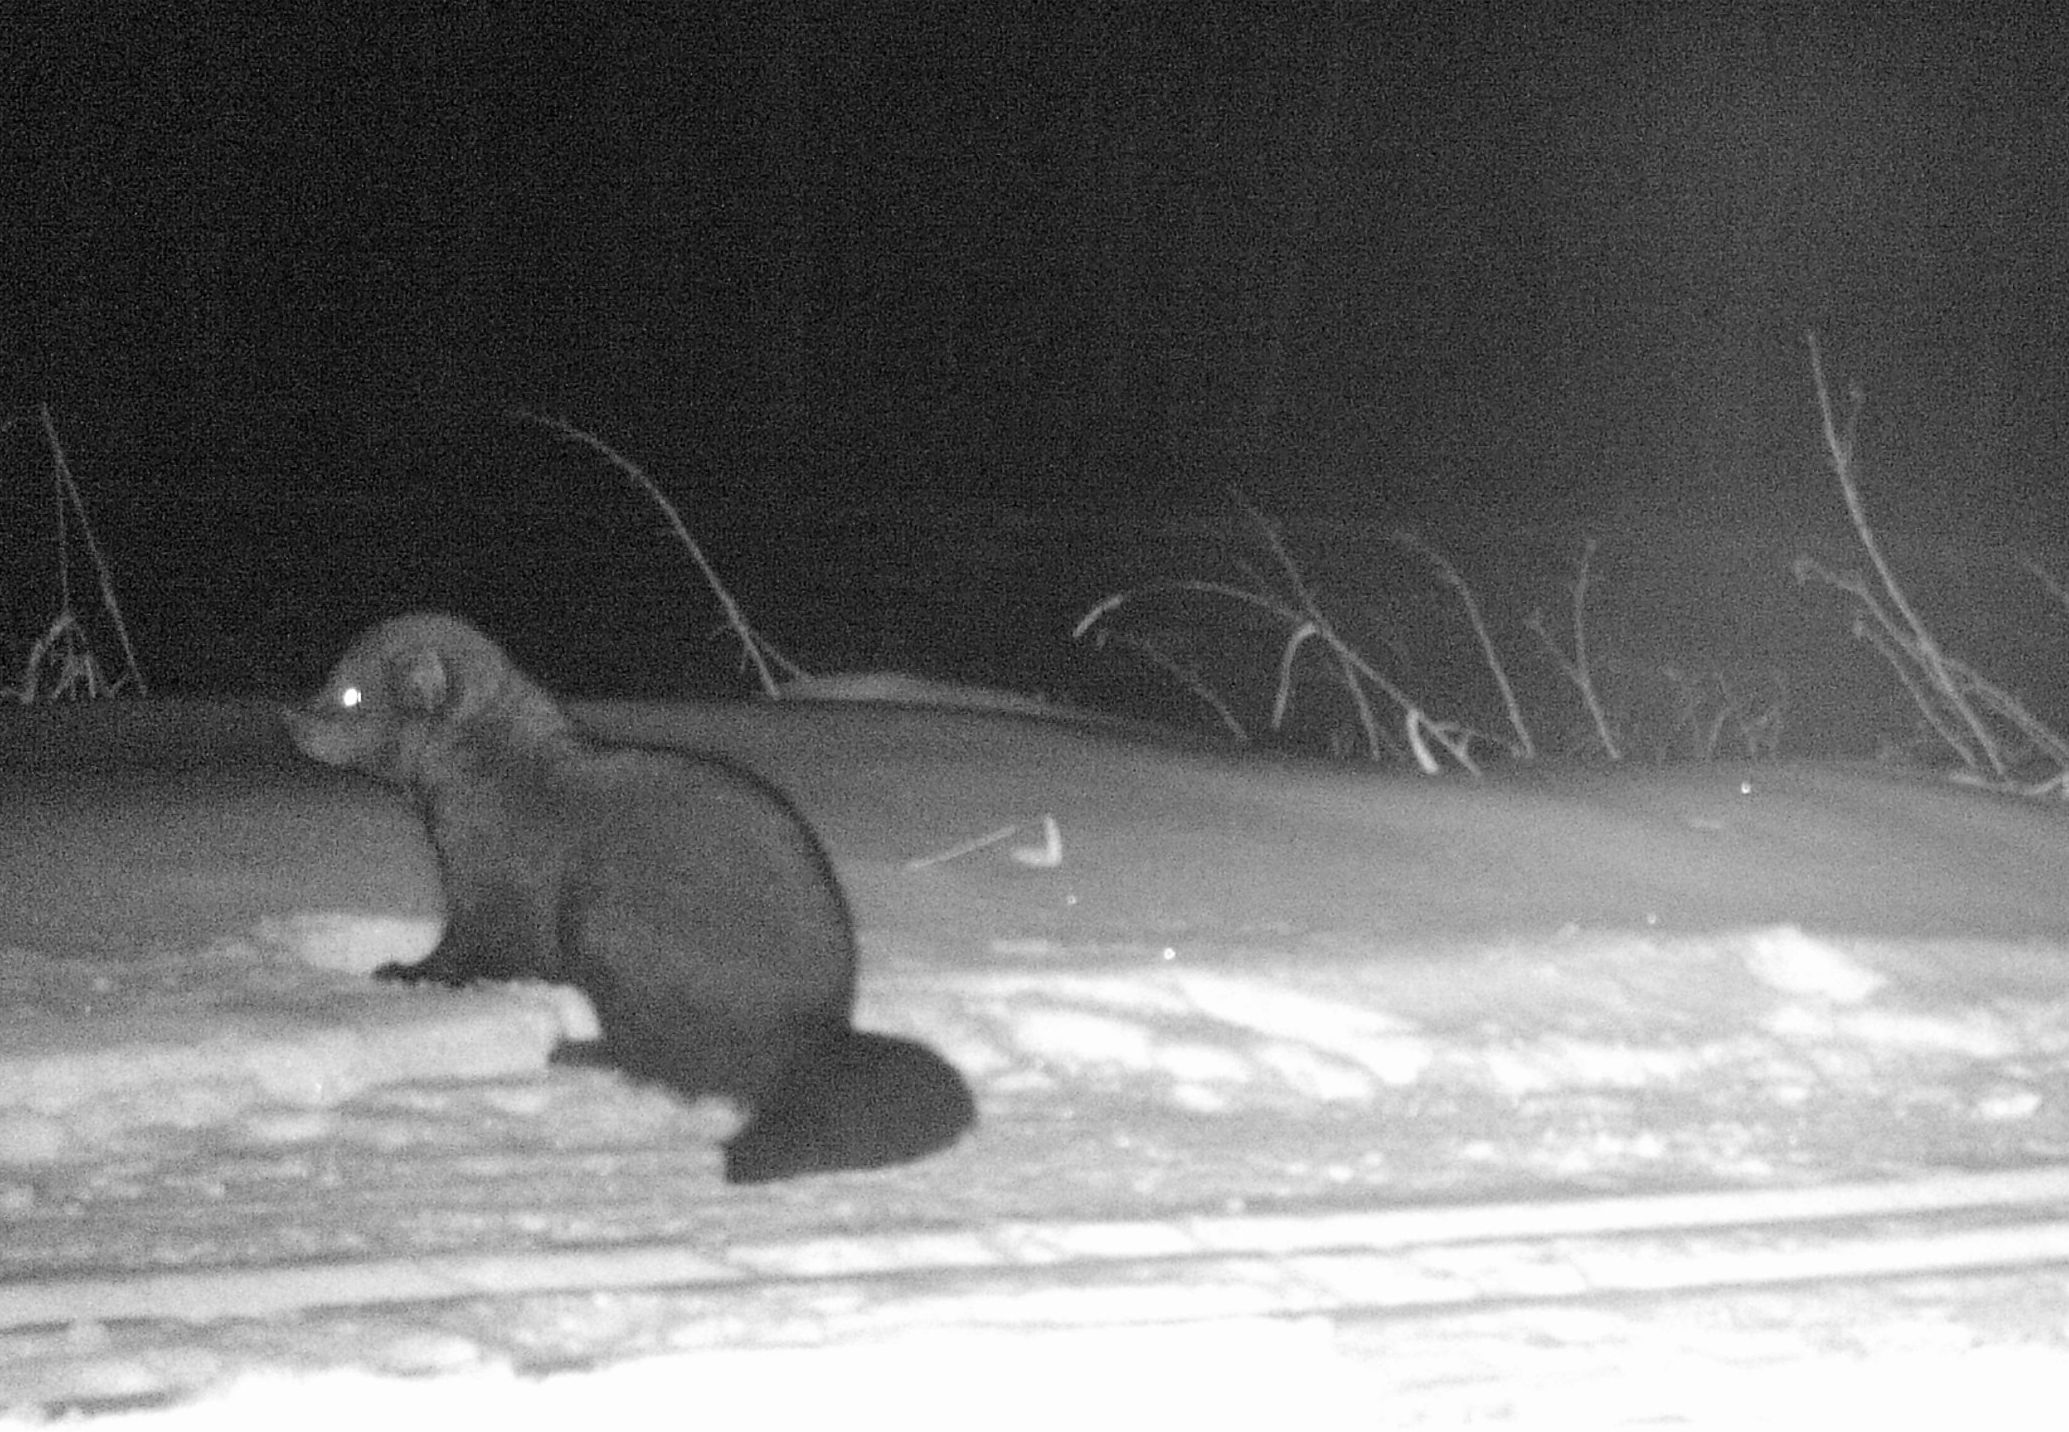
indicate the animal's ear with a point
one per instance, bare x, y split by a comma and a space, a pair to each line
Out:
422, 682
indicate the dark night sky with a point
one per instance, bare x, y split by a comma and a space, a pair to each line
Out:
960, 292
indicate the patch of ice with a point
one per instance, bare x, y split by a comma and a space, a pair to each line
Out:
1565, 1063
1075, 1037
1796, 1021
1286, 1013
1974, 1033
348, 941
1315, 1075
1786, 959
1193, 1063
2007, 1103
219, 1039
1200, 1037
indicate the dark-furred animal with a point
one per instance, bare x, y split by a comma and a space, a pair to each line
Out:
681, 893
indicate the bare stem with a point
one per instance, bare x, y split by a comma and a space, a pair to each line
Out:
1576, 669
1840, 447
65, 640
757, 648
1526, 744
1301, 611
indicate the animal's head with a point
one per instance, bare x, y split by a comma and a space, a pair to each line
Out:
404, 689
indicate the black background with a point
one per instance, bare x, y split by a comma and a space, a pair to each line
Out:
941, 322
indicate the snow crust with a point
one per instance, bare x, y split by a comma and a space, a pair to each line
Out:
1775, 1006
95, 1056
1248, 991
1243, 1373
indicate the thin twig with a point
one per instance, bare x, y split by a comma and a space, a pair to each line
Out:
1575, 669
1526, 743
757, 648
1841, 447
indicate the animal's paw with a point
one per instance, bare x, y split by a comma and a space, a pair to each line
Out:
422, 972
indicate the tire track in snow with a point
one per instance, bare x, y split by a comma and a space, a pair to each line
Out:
1036, 1273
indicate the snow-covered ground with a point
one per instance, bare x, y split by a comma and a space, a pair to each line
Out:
1303, 1088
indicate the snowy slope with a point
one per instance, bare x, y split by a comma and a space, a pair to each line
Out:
1248, 990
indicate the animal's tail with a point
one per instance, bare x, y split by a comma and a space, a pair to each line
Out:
857, 1101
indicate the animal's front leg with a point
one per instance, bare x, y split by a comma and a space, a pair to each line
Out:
442, 966
492, 936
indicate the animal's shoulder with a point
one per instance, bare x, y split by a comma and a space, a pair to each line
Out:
641, 786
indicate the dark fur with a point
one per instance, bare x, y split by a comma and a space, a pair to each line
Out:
682, 894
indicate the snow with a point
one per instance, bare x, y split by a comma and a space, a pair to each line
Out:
1201, 1376
1254, 1000
93, 1057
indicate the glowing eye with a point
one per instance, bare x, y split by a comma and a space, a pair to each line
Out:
350, 697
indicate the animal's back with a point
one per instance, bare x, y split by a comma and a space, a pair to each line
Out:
697, 894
